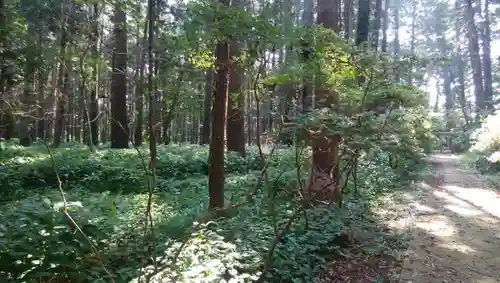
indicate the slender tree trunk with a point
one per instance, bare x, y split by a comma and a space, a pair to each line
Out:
93, 105
174, 103
249, 120
139, 91
386, 26
151, 87
216, 167
397, 47
306, 46
26, 122
460, 65
449, 96
477, 71
486, 40
348, 17
235, 108
63, 89
207, 107
363, 28
42, 104
119, 119
3, 39
376, 25
325, 172
412, 39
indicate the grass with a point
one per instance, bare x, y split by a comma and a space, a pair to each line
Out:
107, 194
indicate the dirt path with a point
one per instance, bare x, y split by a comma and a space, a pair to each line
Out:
456, 230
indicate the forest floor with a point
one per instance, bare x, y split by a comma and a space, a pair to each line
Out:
455, 227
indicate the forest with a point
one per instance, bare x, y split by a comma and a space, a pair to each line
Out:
234, 140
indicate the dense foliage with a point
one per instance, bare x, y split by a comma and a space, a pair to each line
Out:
107, 198
484, 153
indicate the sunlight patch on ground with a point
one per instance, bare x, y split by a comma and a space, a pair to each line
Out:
446, 157
463, 210
438, 226
450, 198
457, 205
465, 249
422, 208
488, 280
485, 199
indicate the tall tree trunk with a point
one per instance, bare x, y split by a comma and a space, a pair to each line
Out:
119, 119
449, 97
94, 105
325, 172
42, 104
460, 65
160, 110
288, 88
235, 109
3, 39
486, 40
139, 91
63, 90
412, 38
397, 47
174, 103
376, 25
26, 122
207, 107
348, 18
477, 72
363, 27
386, 25
306, 45
216, 167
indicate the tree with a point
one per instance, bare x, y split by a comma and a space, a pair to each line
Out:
93, 107
207, 106
363, 27
63, 85
475, 59
386, 26
119, 119
216, 174
376, 25
325, 167
235, 107
486, 40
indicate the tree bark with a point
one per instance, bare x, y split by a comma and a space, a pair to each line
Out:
119, 119
207, 106
235, 107
486, 40
325, 172
386, 26
26, 127
348, 17
376, 25
363, 28
62, 91
93, 105
475, 58
216, 174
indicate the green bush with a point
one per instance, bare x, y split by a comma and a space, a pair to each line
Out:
106, 169
106, 193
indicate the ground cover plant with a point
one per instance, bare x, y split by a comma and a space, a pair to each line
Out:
107, 195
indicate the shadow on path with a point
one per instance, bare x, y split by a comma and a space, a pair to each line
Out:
456, 228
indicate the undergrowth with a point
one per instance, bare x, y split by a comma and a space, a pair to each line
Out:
107, 196
484, 154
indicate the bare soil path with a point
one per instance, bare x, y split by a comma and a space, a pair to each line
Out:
456, 228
